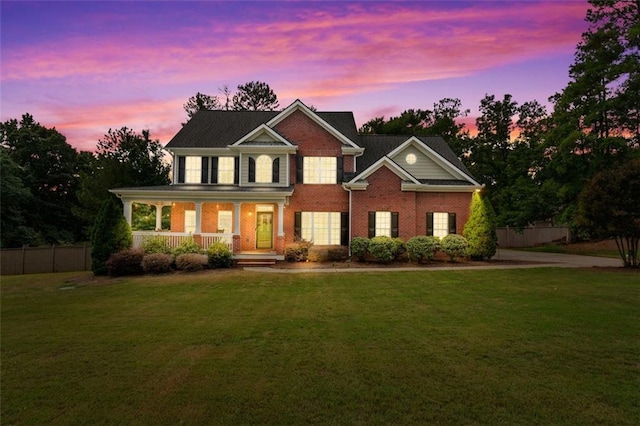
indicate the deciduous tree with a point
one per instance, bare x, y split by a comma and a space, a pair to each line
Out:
609, 207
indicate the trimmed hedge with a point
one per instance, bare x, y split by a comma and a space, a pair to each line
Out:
454, 245
297, 252
383, 248
156, 244
191, 262
125, 262
359, 248
157, 263
219, 256
422, 248
188, 245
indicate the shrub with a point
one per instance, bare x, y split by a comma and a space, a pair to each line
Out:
157, 263
401, 248
318, 254
382, 248
359, 247
298, 251
110, 234
454, 245
219, 255
191, 262
156, 244
422, 247
480, 229
338, 253
187, 246
125, 262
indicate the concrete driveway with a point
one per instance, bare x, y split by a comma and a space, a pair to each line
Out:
557, 259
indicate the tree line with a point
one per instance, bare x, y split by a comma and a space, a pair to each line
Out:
535, 165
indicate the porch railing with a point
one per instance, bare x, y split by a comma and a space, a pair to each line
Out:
174, 239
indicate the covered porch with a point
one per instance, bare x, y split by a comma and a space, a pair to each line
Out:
250, 225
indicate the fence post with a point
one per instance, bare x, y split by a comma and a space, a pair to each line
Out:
53, 257
23, 260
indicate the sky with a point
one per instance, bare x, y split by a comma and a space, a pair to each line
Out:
85, 67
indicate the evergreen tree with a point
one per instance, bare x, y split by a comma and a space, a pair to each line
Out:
480, 229
201, 101
255, 96
111, 233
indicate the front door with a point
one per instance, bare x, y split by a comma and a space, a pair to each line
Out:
264, 230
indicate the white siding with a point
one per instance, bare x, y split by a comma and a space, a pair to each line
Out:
423, 168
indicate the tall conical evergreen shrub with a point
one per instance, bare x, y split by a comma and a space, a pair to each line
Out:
111, 233
480, 229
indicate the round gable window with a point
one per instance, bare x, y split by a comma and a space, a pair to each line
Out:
411, 158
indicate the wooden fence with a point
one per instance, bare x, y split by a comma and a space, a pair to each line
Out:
37, 260
532, 236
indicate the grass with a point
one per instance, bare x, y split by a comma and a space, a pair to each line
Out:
536, 346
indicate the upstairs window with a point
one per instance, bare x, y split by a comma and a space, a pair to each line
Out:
193, 169
264, 173
320, 170
226, 170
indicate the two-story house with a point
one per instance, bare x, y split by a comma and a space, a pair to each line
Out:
259, 180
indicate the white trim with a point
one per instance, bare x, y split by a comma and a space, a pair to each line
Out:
206, 152
439, 159
392, 165
425, 187
297, 105
263, 128
150, 197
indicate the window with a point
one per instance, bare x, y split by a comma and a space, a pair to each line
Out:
226, 170
383, 223
263, 169
189, 221
441, 224
320, 169
322, 228
193, 169
225, 221
411, 158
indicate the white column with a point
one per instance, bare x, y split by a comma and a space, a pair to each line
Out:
127, 211
236, 218
198, 218
159, 215
281, 219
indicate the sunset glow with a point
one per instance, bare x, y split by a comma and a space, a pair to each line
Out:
85, 67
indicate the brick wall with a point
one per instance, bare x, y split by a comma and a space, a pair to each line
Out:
384, 194
312, 140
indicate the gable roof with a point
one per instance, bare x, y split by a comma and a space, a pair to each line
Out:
219, 128
377, 146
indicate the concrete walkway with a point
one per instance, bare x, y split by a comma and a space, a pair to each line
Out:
541, 260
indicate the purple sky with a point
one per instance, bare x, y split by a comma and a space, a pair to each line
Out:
85, 67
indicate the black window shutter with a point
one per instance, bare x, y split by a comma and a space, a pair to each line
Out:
429, 223
214, 169
344, 229
452, 223
252, 169
297, 225
275, 171
181, 168
299, 170
372, 224
236, 170
204, 170
340, 168
394, 224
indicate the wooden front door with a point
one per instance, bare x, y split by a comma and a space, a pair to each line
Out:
264, 230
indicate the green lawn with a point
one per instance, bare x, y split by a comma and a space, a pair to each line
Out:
535, 346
